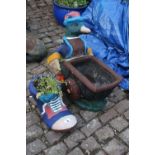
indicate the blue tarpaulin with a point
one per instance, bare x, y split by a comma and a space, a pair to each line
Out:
109, 23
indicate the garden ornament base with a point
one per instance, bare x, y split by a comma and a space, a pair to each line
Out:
89, 81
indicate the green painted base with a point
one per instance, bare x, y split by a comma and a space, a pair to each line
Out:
94, 105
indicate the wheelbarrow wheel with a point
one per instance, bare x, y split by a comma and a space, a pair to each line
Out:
72, 89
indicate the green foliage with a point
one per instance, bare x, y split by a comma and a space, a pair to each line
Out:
72, 3
46, 85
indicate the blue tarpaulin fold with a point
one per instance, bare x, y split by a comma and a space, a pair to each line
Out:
109, 23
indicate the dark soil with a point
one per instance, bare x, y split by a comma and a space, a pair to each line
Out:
94, 73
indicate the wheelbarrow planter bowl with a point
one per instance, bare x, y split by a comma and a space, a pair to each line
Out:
89, 81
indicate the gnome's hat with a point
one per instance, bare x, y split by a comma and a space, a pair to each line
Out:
75, 23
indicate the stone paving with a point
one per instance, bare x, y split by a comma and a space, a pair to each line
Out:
97, 133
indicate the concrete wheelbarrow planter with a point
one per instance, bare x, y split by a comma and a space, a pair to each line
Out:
54, 113
89, 81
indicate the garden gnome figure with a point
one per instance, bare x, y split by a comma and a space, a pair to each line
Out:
73, 46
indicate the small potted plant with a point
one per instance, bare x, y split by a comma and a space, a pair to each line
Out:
54, 113
46, 85
61, 7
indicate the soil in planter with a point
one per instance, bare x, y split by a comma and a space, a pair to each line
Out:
94, 73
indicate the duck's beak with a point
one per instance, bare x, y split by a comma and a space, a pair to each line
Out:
85, 29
